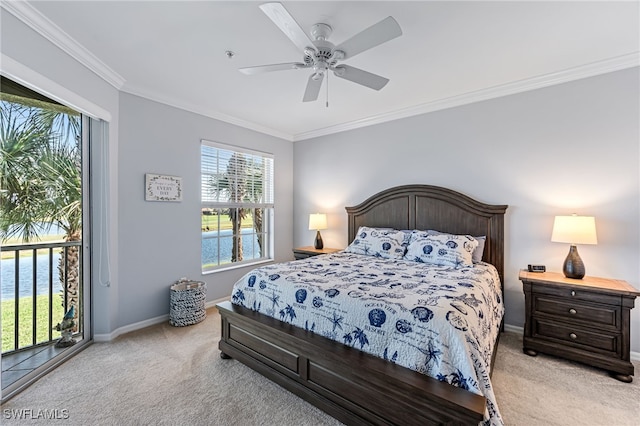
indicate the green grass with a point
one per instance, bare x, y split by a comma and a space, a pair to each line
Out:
25, 253
211, 222
25, 310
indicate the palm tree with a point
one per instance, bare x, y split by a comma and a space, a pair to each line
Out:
288, 313
242, 182
22, 139
40, 180
237, 186
360, 337
256, 195
356, 336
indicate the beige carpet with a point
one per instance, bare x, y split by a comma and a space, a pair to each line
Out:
165, 375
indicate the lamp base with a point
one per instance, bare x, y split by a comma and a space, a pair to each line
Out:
318, 244
573, 266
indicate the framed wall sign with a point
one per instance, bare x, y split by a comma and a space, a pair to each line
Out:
162, 188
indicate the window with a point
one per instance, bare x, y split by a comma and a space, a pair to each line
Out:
237, 206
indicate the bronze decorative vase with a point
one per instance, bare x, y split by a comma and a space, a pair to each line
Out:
573, 266
318, 242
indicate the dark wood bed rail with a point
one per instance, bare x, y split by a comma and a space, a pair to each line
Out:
353, 386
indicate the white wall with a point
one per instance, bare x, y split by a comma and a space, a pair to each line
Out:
159, 242
563, 149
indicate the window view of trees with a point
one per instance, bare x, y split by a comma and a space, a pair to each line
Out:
41, 178
237, 193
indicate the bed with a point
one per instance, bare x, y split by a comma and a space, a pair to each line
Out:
344, 380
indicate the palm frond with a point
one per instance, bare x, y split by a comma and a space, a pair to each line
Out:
40, 171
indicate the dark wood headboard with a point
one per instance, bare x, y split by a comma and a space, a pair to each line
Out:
432, 207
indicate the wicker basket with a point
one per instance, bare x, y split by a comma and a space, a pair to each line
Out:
187, 303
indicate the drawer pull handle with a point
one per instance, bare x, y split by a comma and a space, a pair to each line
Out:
573, 293
573, 311
573, 336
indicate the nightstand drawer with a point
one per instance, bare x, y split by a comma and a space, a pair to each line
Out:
577, 310
576, 337
571, 293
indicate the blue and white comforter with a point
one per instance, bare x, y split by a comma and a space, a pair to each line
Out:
437, 320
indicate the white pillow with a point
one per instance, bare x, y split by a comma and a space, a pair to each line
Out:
441, 249
379, 242
477, 253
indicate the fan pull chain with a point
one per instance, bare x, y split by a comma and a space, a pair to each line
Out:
327, 104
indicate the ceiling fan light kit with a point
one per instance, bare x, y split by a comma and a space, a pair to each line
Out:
322, 56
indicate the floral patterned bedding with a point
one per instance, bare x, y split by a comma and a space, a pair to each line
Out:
439, 320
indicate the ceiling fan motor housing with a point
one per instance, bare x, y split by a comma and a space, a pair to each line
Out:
324, 50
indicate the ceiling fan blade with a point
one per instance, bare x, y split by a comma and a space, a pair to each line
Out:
359, 76
313, 88
379, 33
274, 67
281, 17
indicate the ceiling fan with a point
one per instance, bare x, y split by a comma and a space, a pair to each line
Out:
323, 56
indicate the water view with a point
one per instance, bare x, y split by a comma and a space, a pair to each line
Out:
210, 252
25, 270
7, 278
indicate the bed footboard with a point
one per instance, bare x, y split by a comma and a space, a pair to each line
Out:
350, 385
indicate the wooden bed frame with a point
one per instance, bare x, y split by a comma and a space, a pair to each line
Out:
352, 386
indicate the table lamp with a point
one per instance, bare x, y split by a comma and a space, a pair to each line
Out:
318, 221
574, 230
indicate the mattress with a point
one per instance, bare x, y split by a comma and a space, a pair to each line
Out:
438, 320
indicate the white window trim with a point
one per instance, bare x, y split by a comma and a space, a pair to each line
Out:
269, 225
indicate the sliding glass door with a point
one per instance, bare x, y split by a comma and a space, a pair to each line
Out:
45, 234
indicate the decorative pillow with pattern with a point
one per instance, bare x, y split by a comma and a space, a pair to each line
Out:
380, 242
477, 253
441, 249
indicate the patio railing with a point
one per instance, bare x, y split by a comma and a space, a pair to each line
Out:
33, 276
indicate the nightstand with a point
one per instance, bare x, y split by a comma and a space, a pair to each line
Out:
304, 252
583, 320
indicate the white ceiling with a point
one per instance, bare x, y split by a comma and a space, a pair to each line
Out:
450, 53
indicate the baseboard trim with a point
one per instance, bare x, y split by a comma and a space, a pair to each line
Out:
513, 328
213, 303
107, 337
635, 356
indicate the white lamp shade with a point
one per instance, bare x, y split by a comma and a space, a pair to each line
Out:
317, 221
574, 230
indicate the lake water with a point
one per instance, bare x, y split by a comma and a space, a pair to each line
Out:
7, 276
209, 255
7, 271
210, 246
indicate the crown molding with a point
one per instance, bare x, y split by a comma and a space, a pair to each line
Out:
593, 69
198, 109
50, 31
45, 27
53, 33
576, 73
35, 81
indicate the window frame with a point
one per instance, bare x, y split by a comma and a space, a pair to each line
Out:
267, 204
